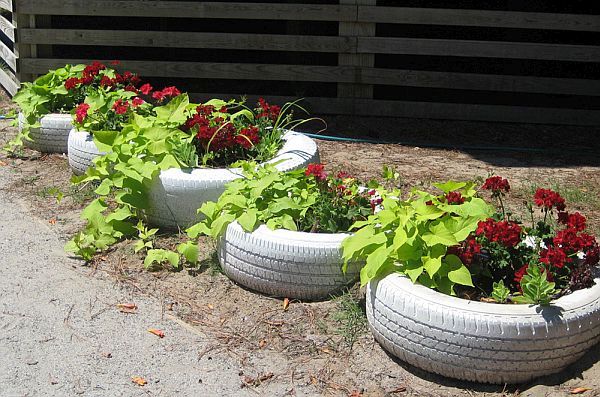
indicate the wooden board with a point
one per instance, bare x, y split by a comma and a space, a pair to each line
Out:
7, 28
6, 4
9, 82
240, 41
7, 56
477, 48
483, 18
187, 9
245, 71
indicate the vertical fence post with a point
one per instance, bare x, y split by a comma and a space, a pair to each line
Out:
22, 21
356, 29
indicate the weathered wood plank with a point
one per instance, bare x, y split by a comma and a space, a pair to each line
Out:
125, 38
353, 30
187, 9
213, 70
7, 28
435, 110
481, 82
7, 56
483, 18
6, 4
9, 82
475, 48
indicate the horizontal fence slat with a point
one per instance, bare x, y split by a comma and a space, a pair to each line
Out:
344, 74
436, 110
244, 71
6, 4
185, 9
481, 82
482, 18
240, 41
475, 48
7, 56
9, 82
7, 28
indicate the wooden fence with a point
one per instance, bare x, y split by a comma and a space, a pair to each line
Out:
360, 57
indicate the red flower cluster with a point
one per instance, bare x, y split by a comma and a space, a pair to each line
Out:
454, 198
127, 79
316, 170
268, 111
81, 112
503, 232
221, 135
554, 257
572, 242
466, 251
572, 221
168, 92
146, 89
496, 184
549, 199
120, 106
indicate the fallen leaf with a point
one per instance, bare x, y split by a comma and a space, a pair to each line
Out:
157, 332
286, 303
326, 350
355, 393
106, 354
399, 389
579, 390
52, 221
210, 306
139, 380
488, 300
129, 308
262, 344
3, 163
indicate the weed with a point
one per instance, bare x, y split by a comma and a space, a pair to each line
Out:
350, 318
30, 179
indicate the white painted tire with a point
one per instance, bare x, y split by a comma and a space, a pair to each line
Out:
82, 150
176, 195
285, 263
477, 341
53, 134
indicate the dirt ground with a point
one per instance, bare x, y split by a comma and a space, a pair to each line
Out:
325, 345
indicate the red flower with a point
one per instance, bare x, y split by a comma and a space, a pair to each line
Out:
106, 81
520, 273
146, 89
268, 111
171, 91
343, 175
496, 184
573, 221
466, 251
120, 106
81, 112
549, 199
316, 170
248, 137
158, 95
93, 69
137, 101
503, 232
71, 83
454, 198
554, 257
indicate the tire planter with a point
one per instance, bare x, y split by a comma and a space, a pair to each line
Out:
176, 195
285, 263
477, 341
51, 136
82, 150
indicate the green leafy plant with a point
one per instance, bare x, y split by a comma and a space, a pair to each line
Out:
145, 237
537, 289
500, 292
302, 200
60, 90
412, 236
158, 257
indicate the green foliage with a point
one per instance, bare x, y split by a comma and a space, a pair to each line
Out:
537, 290
500, 292
145, 237
288, 200
350, 318
412, 236
156, 258
134, 157
189, 251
